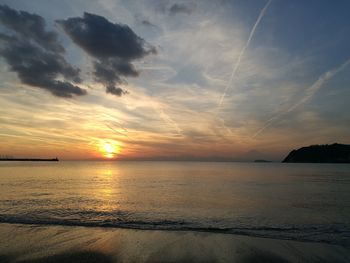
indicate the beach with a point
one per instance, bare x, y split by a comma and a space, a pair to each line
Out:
39, 244
73, 212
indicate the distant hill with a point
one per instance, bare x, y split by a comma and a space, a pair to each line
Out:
333, 153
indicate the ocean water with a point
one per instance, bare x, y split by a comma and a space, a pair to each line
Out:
307, 202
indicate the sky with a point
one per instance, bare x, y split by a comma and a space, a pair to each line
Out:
173, 80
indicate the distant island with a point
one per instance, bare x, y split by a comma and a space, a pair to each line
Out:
30, 159
329, 153
262, 161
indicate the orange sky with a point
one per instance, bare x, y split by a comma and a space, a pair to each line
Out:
225, 85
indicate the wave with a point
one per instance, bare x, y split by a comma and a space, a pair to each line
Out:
333, 234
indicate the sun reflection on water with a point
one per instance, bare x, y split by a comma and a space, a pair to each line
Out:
107, 189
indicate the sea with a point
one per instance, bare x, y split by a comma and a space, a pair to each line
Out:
304, 202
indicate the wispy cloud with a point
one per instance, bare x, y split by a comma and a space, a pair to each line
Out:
309, 93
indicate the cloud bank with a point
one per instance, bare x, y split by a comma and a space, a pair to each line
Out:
114, 46
35, 54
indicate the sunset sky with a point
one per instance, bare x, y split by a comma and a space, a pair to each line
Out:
182, 80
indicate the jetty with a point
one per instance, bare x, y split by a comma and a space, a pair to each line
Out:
30, 159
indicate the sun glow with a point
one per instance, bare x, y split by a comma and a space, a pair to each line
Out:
109, 149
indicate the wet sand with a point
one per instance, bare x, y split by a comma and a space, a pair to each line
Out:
65, 244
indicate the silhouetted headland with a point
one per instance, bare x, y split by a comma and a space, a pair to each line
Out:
30, 159
329, 153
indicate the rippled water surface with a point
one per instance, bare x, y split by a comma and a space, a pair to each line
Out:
289, 201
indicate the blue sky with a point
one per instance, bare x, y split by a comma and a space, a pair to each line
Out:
207, 93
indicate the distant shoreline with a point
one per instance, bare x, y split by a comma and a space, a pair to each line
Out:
30, 159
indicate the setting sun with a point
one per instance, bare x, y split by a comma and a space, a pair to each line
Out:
109, 149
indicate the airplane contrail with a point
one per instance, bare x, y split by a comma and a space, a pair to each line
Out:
165, 117
118, 132
310, 92
236, 66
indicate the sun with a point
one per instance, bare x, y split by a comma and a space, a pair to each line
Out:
109, 150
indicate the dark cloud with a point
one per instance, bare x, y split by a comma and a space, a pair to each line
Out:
116, 91
147, 23
38, 68
114, 46
108, 72
144, 21
171, 8
35, 54
103, 39
181, 8
29, 26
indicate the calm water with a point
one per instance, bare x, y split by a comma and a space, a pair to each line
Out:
289, 201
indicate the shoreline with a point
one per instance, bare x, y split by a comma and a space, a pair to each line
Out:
238, 232
39, 243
